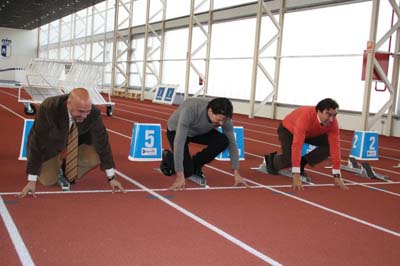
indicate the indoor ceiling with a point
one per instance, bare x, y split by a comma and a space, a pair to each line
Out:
30, 14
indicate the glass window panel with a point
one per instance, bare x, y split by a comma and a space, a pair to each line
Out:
333, 30
43, 36
222, 4
174, 73
53, 54
66, 31
54, 31
230, 78
233, 39
177, 8
139, 12
65, 53
308, 80
101, 6
99, 23
176, 44
110, 19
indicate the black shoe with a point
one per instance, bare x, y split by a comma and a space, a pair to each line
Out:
167, 163
269, 159
198, 172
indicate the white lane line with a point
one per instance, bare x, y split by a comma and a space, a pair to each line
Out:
324, 208
334, 211
19, 244
196, 188
203, 222
128, 190
366, 185
11, 111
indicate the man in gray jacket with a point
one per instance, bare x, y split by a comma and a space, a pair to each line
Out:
197, 120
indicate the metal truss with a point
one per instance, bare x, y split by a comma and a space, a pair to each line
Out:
372, 64
122, 43
207, 42
100, 56
277, 37
80, 42
149, 66
102, 24
63, 26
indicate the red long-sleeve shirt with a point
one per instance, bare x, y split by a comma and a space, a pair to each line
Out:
303, 123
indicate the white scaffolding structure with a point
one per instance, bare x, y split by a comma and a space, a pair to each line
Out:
122, 45
389, 108
203, 75
257, 63
149, 51
101, 26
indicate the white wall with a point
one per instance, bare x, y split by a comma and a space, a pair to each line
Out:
23, 48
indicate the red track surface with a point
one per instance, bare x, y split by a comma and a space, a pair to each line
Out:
264, 225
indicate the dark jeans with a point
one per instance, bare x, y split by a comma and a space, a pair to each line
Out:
284, 160
216, 143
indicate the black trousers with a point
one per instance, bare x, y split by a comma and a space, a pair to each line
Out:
284, 160
216, 143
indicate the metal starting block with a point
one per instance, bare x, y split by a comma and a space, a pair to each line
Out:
194, 178
363, 169
201, 181
63, 182
285, 172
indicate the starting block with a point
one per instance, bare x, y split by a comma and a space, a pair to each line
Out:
285, 172
364, 147
28, 123
198, 180
193, 178
239, 136
146, 142
363, 169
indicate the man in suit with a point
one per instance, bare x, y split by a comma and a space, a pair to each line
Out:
48, 138
316, 125
197, 120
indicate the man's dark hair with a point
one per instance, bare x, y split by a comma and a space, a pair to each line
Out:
326, 104
221, 106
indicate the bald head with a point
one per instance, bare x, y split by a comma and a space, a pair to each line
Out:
79, 104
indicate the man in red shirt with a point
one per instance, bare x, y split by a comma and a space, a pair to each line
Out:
308, 124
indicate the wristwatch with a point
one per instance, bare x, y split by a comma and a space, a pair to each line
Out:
110, 178
337, 176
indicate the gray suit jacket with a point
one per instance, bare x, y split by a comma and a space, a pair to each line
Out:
49, 134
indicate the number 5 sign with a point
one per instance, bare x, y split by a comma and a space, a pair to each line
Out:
146, 142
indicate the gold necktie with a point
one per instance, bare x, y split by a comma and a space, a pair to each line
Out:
71, 167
